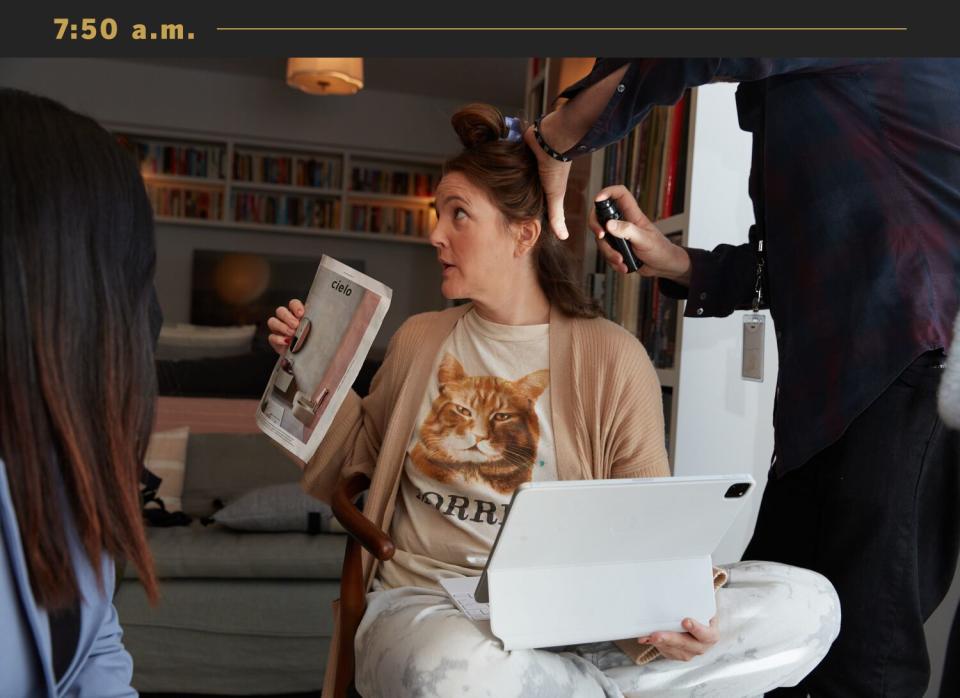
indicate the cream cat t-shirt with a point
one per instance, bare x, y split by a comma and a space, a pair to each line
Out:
483, 428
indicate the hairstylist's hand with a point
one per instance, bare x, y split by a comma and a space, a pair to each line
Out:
553, 178
284, 324
684, 646
660, 257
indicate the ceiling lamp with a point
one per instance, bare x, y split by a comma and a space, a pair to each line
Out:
326, 76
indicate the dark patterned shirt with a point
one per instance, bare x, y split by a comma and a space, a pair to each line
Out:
855, 185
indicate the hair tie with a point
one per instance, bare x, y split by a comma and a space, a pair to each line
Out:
514, 129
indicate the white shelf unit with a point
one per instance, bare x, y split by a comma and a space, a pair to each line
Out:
535, 92
341, 197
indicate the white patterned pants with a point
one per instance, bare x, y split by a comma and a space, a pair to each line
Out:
776, 623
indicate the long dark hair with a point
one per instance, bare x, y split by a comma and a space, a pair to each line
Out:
76, 353
507, 171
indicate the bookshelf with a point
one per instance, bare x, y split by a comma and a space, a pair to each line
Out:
716, 422
254, 185
652, 161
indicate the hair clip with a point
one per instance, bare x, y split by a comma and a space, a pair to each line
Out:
514, 129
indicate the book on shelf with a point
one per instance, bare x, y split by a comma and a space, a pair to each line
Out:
291, 170
194, 179
286, 209
181, 202
651, 162
535, 101
676, 122
393, 220
536, 67
159, 157
667, 398
395, 182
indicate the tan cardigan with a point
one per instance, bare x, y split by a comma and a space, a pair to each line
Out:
604, 397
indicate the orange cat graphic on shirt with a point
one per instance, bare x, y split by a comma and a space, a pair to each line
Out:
481, 428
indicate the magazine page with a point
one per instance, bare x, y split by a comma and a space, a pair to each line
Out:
343, 313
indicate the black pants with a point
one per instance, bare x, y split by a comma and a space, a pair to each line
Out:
876, 513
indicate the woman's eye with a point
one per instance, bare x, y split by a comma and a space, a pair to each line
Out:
463, 410
459, 214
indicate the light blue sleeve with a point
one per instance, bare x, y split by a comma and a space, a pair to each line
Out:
107, 669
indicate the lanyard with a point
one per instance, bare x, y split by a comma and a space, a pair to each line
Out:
758, 287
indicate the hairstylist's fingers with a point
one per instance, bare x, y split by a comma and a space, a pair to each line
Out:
287, 317
612, 257
625, 229
659, 255
296, 307
279, 327
625, 202
553, 179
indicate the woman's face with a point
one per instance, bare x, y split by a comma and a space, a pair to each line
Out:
474, 244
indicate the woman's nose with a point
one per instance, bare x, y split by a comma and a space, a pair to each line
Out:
437, 236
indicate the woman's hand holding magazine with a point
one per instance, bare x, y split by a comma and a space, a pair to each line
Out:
284, 324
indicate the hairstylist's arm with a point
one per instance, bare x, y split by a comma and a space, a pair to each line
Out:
561, 130
660, 257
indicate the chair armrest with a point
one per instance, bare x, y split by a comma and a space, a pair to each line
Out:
355, 523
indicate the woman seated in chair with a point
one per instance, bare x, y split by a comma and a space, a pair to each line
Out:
526, 382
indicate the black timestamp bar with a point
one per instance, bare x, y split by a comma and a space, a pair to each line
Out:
90, 28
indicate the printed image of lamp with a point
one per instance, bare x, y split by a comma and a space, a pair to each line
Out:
284, 375
305, 409
300, 336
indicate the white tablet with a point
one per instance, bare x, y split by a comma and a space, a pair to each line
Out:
584, 561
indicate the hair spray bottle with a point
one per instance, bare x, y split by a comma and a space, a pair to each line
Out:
607, 211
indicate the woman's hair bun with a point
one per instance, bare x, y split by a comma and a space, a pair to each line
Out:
477, 124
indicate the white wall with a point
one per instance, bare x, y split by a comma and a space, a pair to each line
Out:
137, 94
724, 423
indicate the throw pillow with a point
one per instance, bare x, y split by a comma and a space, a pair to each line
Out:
167, 459
185, 341
278, 508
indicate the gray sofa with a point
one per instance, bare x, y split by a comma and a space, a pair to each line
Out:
240, 613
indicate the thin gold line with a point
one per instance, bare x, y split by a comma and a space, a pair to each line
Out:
564, 29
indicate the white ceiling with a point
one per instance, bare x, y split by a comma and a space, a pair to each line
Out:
497, 81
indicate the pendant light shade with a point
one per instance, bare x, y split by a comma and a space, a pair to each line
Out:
326, 76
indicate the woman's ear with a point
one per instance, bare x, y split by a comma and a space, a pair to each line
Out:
527, 234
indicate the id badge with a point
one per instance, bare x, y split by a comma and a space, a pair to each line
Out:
751, 367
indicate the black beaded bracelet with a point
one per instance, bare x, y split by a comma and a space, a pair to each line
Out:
543, 144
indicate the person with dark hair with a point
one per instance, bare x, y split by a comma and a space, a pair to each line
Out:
78, 322
855, 183
524, 383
